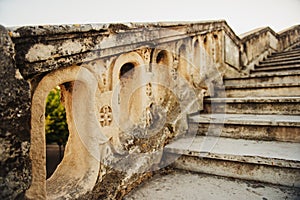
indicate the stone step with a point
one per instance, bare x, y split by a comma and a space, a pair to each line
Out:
276, 68
262, 90
277, 71
283, 53
247, 126
181, 184
271, 77
263, 161
280, 60
253, 105
278, 63
291, 55
283, 56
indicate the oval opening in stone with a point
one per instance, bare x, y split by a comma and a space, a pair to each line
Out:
56, 130
126, 68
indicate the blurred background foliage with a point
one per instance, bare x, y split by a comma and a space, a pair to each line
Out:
56, 124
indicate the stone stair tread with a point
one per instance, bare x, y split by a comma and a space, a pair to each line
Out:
276, 72
254, 100
281, 105
269, 74
272, 67
247, 119
274, 153
286, 56
280, 59
292, 51
262, 85
287, 53
182, 184
284, 62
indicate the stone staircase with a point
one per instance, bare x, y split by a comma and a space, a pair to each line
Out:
254, 132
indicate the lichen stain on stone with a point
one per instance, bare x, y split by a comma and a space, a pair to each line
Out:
115, 184
71, 47
39, 52
117, 27
15, 173
106, 186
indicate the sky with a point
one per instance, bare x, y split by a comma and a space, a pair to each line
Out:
241, 15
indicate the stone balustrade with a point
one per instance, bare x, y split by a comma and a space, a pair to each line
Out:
162, 70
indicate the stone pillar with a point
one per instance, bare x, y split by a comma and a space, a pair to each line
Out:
15, 169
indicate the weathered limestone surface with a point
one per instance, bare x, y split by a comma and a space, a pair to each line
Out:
114, 143
44, 48
194, 186
15, 169
254, 132
256, 45
273, 162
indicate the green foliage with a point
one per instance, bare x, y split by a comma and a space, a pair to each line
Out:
56, 123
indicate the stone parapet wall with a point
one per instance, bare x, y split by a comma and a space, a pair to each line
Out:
44, 48
289, 38
256, 45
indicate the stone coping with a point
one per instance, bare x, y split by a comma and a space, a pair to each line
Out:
287, 30
256, 32
40, 30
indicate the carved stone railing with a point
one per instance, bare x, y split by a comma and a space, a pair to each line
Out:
54, 54
47, 56
41, 49
289, 37
258, 44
